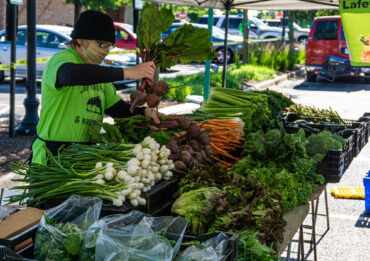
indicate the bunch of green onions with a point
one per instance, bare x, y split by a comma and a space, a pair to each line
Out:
56, 181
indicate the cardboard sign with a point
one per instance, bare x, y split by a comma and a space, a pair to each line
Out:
355, 15
20, 222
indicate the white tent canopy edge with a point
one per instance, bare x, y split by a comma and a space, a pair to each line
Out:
257, 4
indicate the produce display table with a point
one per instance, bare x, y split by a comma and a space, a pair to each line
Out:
294, 219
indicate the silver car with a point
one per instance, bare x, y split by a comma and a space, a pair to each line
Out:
50, 39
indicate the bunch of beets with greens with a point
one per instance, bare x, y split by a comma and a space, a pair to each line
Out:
186, 44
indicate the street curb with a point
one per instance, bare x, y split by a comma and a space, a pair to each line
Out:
276, 80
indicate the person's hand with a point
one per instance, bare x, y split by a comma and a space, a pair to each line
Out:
144, 70
153, 113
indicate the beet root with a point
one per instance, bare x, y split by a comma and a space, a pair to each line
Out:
195, 145
194, 130
137, 98
180, 166
172, 145
204, 138
184, 122
161, 88
153, 100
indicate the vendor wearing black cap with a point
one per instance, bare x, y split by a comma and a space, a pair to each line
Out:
77, 91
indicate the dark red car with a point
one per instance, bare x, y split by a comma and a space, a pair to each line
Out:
125, 38
327, 54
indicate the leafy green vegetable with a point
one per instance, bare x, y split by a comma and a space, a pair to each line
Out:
319, 144
250, 248
186, 44
72, 244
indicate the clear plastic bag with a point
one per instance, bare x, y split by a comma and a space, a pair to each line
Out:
6, 212
134, 236
209, 250
62, 229
7, 254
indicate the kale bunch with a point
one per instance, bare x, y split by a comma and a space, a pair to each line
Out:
319, 144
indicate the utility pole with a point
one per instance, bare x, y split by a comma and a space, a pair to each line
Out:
245, 37
31, 103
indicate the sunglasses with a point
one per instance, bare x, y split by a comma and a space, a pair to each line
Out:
103, 44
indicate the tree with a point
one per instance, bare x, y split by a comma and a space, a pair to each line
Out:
193, 13
102, 5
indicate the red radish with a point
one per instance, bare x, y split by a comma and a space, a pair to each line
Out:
153, 100
161, 88
137, 98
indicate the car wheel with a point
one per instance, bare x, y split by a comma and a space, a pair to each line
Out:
311, 77
229, 55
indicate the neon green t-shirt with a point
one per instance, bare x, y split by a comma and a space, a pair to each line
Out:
68, 112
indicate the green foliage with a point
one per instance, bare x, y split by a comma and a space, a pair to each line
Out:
186, 44
136, 128
194, 84
151, 25
277, 57
102, 5
317, 115
193, 13
277, 102
319, 144
285, 151
250, 248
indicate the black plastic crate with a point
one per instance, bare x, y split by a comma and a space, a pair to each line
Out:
27, 250
366, 122
158, 200
332, 167
231, 251
349, 137
362, 127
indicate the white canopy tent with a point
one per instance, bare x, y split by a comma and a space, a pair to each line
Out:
257, 4
252, 5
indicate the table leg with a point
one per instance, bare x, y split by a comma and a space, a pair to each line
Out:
288, 251
313, 237
327, 209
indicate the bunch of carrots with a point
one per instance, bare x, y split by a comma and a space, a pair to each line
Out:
226, 136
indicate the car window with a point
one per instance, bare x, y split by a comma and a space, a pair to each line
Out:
123, 36
204, 20
326, 30
233, 23
48, 39
21, 37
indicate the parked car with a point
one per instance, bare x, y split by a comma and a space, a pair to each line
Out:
218, 36
300, 34
327, 55
50, 39
258, 29
125, 36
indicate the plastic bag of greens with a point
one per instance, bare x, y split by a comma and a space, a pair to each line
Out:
209, 250
9, 255
134, 236
62, 229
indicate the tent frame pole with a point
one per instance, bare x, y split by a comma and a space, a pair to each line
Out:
207, 74
224, 69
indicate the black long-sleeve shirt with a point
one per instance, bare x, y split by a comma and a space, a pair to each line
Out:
71, 74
